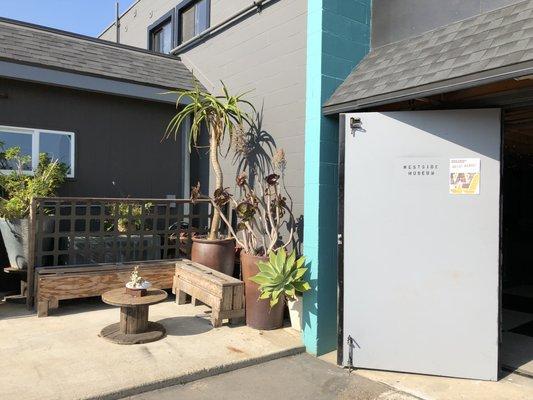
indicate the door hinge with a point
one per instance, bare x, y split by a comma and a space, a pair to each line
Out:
356, 125
339, 239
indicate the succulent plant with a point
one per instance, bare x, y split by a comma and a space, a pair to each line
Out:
135, 279
281, 275
265, 219
221, 197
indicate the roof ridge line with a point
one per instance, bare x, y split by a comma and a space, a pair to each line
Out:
87, 38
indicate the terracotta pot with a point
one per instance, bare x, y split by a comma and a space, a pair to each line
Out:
259, 315
218, 254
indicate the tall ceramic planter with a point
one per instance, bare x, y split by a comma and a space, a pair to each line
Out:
15, 233
295, 312
217, 254
259, 315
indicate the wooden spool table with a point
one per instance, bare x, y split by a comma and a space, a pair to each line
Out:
134, 327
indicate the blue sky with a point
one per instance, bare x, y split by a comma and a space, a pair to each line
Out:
88, 17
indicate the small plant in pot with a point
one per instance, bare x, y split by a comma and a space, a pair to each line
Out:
18, 188
137, 285
281, 279
222, 116
263, 219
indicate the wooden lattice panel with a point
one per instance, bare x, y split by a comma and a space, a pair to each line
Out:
73, 231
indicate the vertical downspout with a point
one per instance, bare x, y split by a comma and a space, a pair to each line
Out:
117, 20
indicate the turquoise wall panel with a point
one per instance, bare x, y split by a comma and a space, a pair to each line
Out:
338, 35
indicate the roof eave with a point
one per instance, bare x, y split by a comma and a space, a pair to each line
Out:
444, 86
76, 80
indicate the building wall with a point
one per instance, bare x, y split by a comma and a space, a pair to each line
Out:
394, 20
337, 39
117, 139
265, 53
135, 22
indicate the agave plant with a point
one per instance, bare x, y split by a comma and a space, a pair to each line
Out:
222, 115
281, 275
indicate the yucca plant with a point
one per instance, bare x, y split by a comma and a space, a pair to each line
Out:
281, 275
222, 115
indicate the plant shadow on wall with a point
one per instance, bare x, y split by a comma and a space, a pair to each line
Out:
256, 155
254, 149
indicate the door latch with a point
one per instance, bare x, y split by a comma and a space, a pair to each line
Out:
339, 239
351, 344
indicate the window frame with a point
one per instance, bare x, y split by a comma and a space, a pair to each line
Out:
186, 4
169, 17
35, 146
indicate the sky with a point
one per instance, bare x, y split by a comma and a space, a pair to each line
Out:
87, 17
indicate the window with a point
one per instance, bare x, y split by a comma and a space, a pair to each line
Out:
161, 37
193, 20
58, 145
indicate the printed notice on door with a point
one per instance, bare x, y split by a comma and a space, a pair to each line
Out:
464, 175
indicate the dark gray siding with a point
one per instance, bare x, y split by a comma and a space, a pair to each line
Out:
394, 20
117, 139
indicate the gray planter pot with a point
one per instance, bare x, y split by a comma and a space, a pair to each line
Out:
15, 235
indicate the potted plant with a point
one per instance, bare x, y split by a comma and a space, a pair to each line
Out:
263, 219
18, 188
222, 116
137, 285
281, 279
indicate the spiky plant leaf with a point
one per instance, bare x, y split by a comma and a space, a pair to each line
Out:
280, 260
290, 261
299, 273
265, 295
260, 279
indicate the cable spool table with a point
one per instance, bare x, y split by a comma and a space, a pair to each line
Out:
134, 327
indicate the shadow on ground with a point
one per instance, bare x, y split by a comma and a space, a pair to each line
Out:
186, 326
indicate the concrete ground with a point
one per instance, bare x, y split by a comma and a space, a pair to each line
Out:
300, 377
61, 356
509, 387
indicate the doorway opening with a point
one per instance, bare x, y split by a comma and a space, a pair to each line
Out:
516, 350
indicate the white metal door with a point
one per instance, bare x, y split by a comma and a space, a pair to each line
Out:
421, 244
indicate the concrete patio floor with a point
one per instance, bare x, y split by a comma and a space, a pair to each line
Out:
62, 357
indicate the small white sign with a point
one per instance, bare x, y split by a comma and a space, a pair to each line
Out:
464, 175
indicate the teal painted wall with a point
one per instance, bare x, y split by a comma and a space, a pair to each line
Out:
338, 37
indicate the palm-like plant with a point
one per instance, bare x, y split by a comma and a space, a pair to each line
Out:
281, 275
222, 115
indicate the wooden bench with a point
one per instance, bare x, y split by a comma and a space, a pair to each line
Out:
223, 293
61, 283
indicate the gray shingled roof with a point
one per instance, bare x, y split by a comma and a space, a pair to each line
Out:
488, 41
49, 48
